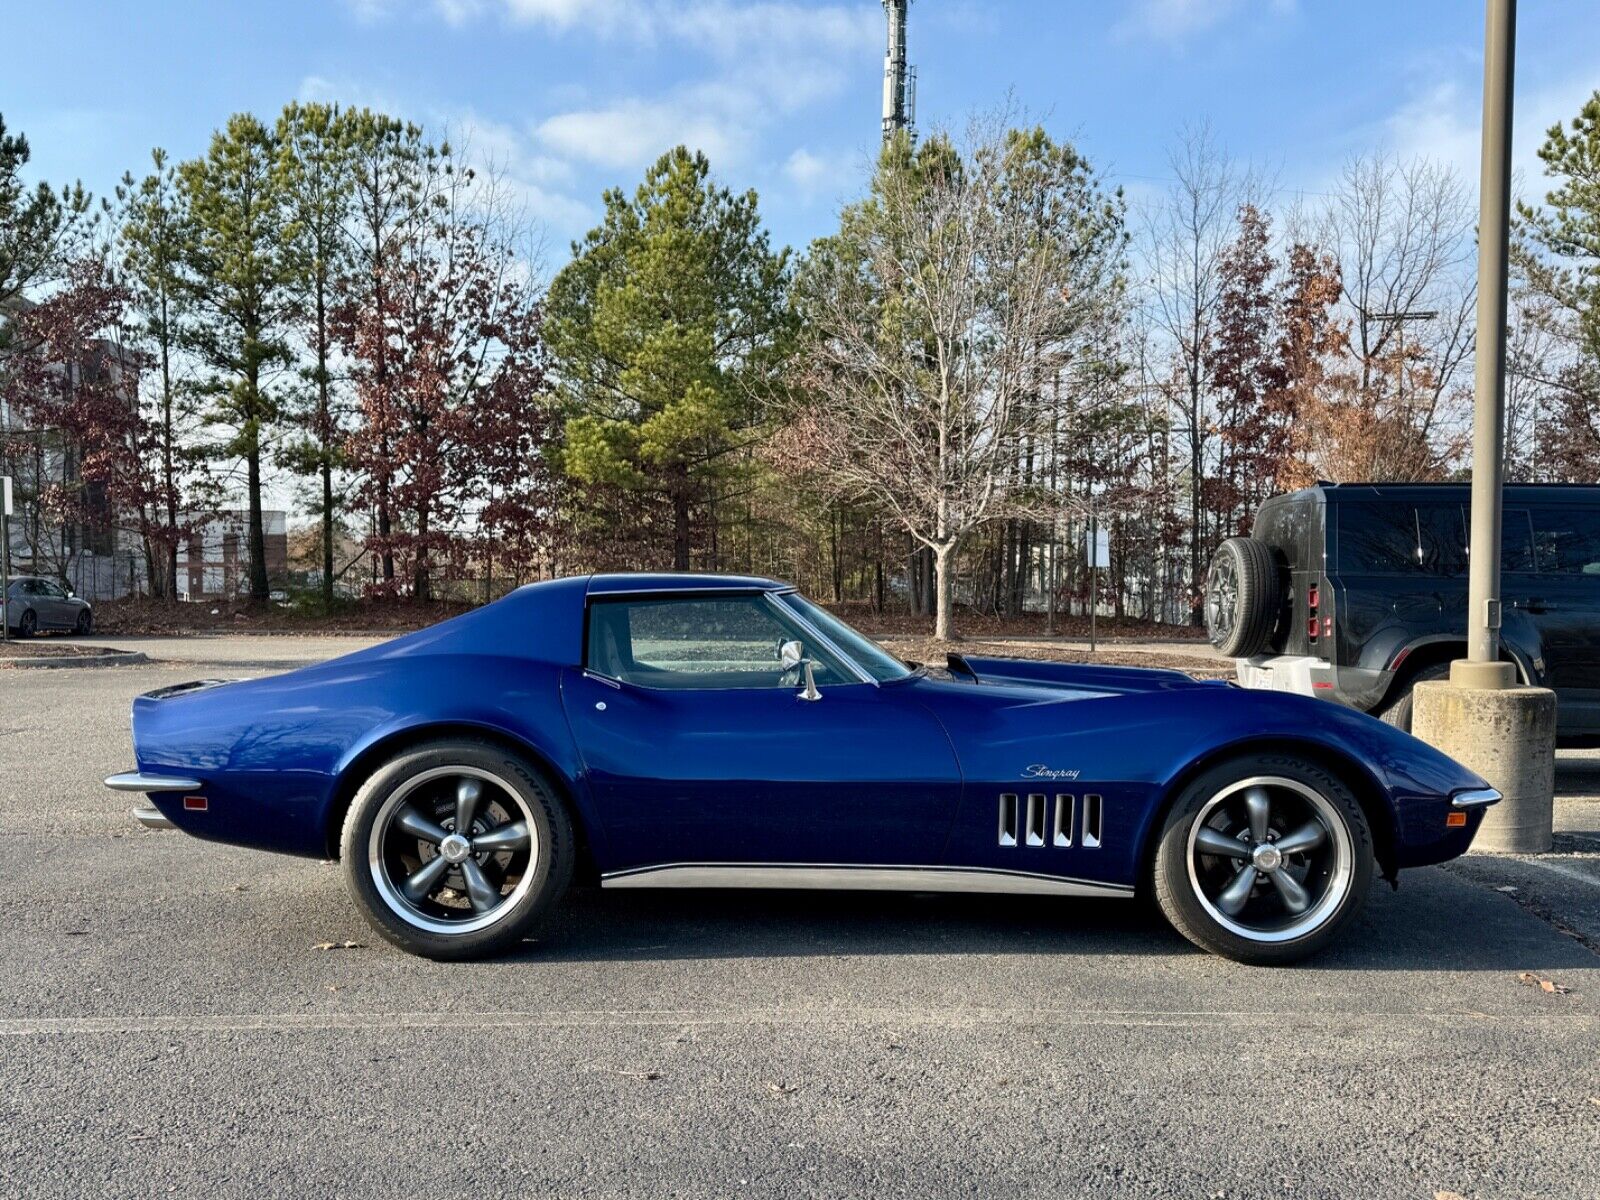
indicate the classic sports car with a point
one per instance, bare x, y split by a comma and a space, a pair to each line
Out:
709, 731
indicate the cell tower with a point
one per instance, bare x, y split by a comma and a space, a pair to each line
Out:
899, 80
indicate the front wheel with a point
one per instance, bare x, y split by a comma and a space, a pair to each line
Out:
456, 850
85, 625
1263, 859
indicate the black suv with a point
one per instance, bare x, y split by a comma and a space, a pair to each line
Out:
1354, 592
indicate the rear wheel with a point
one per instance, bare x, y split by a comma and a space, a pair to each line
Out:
1243, 595
1263, 859
1398, 711
28, 624
456, 850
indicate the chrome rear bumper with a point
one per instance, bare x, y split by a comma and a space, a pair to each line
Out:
137, 781
151, 818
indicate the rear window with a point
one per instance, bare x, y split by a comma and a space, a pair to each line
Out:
1402, 539
1285, 525
1566, 540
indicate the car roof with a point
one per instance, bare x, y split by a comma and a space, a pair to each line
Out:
622, 583
1412, 490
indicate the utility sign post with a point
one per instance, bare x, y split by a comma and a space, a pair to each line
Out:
1097, 547
5, 556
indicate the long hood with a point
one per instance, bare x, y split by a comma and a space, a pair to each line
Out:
1086, 679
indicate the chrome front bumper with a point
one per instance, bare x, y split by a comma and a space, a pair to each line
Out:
1476, 798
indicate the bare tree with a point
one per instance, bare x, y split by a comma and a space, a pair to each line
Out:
1403, 234
1186, 235
936, 319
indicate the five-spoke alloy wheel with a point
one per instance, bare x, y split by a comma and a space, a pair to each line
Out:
1263, 858
455, 850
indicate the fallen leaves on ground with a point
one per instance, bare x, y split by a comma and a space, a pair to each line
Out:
1544, 985
339, 946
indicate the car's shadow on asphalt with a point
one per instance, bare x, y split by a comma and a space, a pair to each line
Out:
1433, 923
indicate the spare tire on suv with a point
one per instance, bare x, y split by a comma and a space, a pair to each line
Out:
1244, 593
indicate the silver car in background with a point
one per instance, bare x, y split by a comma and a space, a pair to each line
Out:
34, 605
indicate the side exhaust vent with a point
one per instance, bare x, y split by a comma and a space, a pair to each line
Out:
1008, 819
1066, 818
1035, 826
1093, 814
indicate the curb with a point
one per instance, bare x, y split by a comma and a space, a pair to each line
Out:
113, 658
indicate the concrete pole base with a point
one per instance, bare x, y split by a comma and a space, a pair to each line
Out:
1507, 735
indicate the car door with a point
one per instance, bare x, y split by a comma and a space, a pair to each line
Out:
1562, 598
55, 609
699, 748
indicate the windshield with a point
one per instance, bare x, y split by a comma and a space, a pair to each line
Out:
872, 658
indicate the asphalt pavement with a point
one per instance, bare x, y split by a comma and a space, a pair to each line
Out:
170, 1026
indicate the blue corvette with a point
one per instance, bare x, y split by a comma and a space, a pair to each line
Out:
709, 731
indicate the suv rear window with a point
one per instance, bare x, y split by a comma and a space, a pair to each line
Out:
1402, 539
1567, 540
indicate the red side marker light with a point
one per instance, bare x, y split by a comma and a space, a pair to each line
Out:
195, 803
1322, 683
1455, 820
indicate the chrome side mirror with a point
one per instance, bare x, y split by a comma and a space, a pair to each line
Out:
792, 655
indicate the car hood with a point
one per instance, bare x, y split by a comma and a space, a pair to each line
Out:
1086, 679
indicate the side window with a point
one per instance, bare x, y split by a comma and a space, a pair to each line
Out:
1566, 540
1516, 541
1378, 539
693, 643
1441, 539
51, 589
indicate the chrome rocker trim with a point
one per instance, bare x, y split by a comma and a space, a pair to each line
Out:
844, 877
1477, 798
137, 781
152, 818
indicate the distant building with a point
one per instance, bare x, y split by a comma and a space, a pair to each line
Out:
215, 561
97, 558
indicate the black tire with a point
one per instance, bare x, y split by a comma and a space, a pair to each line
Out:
28, 624
1244, 592
375, 857
85, 625
1332, 879
1397, 712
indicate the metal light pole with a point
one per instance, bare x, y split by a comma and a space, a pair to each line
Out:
1484, 667
1482, 716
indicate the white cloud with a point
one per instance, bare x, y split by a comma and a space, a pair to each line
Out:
631, 133
816, 175
458, 12
1176, 20
768, 60
369, 12
1443, 122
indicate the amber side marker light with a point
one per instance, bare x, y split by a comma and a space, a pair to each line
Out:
1455, 820
199, 804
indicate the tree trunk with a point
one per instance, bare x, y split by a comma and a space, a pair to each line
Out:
680, 522
258, 537
325, 446
944, 585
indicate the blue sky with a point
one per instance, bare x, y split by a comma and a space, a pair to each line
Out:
571, 96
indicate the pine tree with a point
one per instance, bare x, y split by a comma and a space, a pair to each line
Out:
661, 329
238, 276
